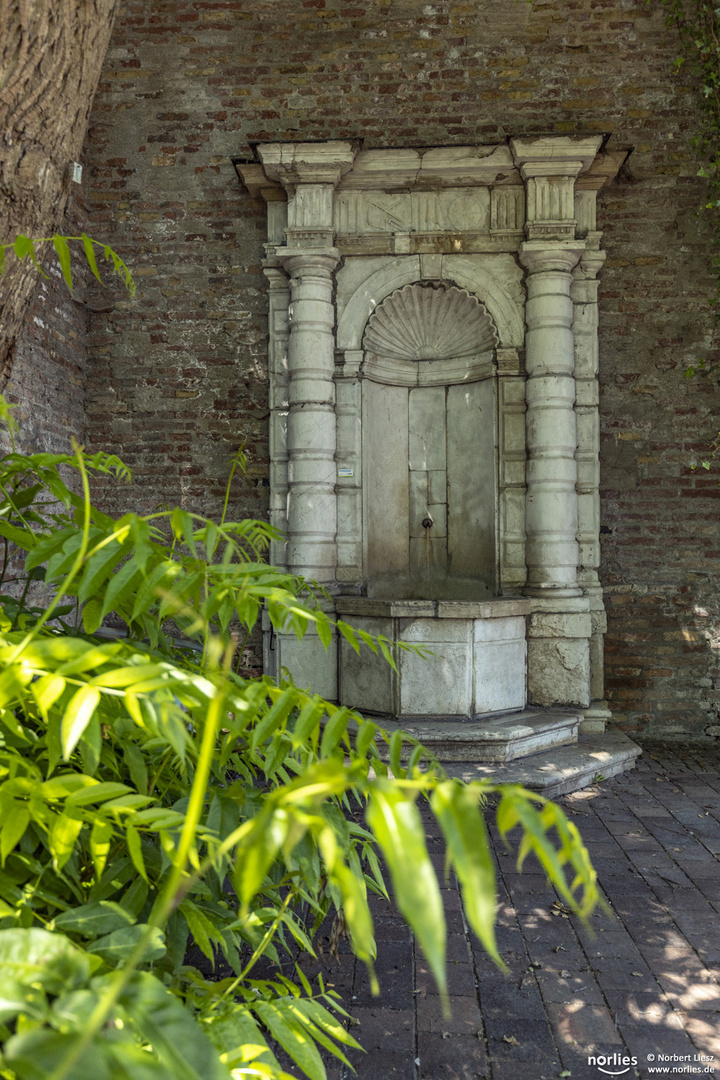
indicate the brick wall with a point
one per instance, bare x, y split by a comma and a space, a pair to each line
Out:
177, 378
47, 375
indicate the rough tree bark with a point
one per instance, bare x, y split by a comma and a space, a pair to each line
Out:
51, 55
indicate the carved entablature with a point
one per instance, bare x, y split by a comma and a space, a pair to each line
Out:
449, 199
361, 213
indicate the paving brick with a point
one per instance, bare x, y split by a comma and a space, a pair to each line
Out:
645, 1039
585, 1026
617, 943
640, 1006
455, 1057
460, 979
388, 1064
383, 1028
466, 1018
394, 970
704, 1031
620, 973
693, 995
540, 1069
567, 985
519, 1040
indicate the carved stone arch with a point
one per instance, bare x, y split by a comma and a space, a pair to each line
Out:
429, 333
504, 309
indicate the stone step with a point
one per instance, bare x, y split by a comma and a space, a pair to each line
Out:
503, 737
592, 759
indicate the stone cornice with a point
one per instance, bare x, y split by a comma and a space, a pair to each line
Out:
306, 163
285, 165
558, 155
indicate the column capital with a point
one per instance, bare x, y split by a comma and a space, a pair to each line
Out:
276, 276
591, 263
296, 259
543, 255
555, 155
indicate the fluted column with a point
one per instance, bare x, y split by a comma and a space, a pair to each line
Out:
551, 501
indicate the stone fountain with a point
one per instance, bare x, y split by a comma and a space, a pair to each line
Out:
433, 360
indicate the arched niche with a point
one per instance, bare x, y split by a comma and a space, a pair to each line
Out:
429, 445
495, 279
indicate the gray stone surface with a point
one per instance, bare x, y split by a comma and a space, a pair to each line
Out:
641, 979
559, 771
496, 739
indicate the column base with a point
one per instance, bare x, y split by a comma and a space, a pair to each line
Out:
595, 718
559, 657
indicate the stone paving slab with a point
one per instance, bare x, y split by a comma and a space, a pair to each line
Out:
644, 984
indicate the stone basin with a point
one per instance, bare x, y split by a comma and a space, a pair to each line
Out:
474, 660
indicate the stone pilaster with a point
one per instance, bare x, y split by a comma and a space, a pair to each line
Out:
584, 293
278, 301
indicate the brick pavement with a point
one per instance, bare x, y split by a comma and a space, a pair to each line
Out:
645, 981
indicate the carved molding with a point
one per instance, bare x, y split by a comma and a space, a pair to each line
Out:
394, 372
430, 322
429, 334
361, 213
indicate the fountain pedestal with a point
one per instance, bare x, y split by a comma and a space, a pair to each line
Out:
474, 657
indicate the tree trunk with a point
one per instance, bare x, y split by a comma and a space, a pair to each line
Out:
51, 55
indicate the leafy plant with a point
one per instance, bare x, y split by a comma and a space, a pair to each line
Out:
152, 798
23, 247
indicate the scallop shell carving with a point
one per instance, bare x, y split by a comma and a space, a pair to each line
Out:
424, 322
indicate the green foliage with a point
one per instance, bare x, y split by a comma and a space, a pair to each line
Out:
152, 797
23, 247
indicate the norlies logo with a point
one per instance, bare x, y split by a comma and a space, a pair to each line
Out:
601, 1061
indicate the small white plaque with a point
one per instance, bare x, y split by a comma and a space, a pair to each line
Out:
345, 472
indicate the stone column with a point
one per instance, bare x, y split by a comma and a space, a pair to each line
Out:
309, 174
560, 622
311, 506
551, 501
